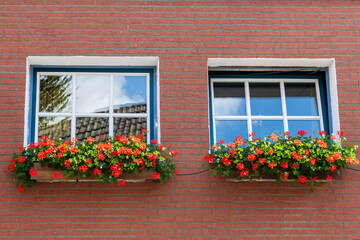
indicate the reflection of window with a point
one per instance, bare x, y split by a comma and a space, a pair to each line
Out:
266, 102
87, 102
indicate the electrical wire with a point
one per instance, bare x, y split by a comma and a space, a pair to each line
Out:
189, 174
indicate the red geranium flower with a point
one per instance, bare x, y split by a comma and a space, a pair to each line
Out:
122, 183
302, 132
57, 175
302, 179
284, 165
22, 159
340, 133
226, 161
251, 157
32, 172
176, 172
156, 176
83, 168
20, 188
240, 166
41, 155
333, 168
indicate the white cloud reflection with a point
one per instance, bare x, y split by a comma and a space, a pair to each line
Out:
229, 106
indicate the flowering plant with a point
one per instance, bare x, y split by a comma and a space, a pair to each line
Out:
107, 160
298, 158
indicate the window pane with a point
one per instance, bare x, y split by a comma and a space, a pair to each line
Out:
91, 127
308, 125
130, 94
229, 99
265, 99
92, 93
55, 94
264, 128
228, 130
301, 99
55, 128
129, 126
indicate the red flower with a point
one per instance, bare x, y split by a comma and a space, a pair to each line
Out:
239, 140
322, 133
244, 173
101, 137
67, 163
74, 150
262, 160
156, 176
284, 165
297, 141
20, 189
209, 158
312, 161
302, 179
340, 133
139, 161
329, 178
32, 172
144, 130
176, 172
136, 152
333, 168
221, 141
41, 155
100, 156
173, 153
254, 166
336, 155
284, 176
152, 156
90, 139
240, 166
272, 165
83, 168
302, 132
21, 149
313, 178
252, 134
294, 166
97, 172
154, 141
5, 172
274, 137
22, 159
330, 159
226, 161
258, 151
88, 160
122, 183
57, 175
251, 157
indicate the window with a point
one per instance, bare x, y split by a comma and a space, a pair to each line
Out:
88, 101
264, 100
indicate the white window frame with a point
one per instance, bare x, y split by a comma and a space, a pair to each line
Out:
219, 63
74, 61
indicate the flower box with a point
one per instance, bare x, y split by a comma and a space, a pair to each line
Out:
46, 174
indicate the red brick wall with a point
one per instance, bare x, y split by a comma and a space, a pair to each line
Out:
183, 34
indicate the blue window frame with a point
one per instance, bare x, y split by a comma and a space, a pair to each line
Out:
81, 102
266, 102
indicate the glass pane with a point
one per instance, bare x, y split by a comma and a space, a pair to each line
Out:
229, 99
228, 130
130, 94
91, 127
308, 125
55, 94
301, 99
92, 93
55, 128
129, 126
265, 99
264, 128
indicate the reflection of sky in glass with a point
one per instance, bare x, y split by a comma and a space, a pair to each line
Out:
54, 127
308, 125
301, 99
228, 130
129, 90
230, 106
264, 128
92, 93
265, 99
229, 99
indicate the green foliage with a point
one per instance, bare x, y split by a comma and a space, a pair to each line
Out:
299, 158
108, 161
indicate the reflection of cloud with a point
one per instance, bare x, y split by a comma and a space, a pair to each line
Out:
229, 106
92, 92
129, 90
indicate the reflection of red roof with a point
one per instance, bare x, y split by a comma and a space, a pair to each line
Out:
95, 126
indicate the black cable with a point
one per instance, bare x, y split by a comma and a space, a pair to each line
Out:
188, 174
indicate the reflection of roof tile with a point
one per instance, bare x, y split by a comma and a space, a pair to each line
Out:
95, 126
